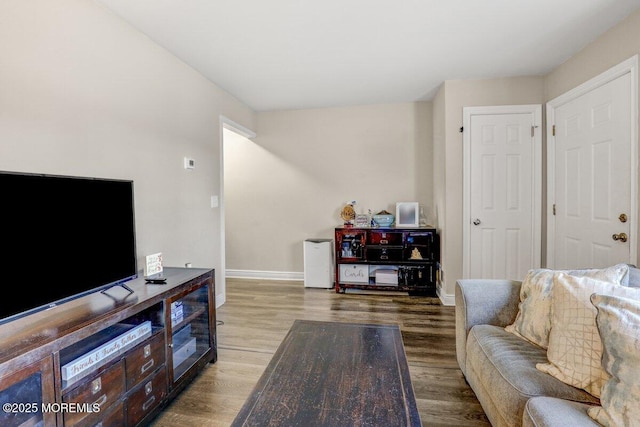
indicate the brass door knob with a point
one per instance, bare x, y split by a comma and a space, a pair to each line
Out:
620, 237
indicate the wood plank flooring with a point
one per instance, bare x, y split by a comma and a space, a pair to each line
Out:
257, 316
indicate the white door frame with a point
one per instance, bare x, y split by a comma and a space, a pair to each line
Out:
628, 66
536, 110
228, 124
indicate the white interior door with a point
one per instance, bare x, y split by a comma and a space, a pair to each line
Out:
502, 231
592, 222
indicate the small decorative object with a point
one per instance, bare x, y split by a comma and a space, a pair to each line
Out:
348, 214
407, 214
423, 218
153, 264
362, 220
415, 254
383, 219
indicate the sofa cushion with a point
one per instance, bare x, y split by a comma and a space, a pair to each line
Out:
501, 369
552, 412
575, 348
633, 279
533, 321
618, 321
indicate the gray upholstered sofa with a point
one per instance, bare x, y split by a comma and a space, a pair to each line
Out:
500, 367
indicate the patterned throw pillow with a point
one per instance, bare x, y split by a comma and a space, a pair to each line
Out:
575, 347
533, 321
618, 321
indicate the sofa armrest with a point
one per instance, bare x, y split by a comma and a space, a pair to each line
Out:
483, 301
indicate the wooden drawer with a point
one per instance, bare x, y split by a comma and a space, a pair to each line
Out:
144, 359
384, 253
385, 238
146, 397
112, 417
103, 389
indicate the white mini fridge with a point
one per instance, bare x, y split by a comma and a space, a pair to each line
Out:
318, 263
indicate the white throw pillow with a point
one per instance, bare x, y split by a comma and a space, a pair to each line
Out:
618, 321
575, 347
533, 321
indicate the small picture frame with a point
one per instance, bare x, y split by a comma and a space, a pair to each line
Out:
362, 220
153, 264
407, 214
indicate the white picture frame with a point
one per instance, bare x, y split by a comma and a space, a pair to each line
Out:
407, 214
362, 221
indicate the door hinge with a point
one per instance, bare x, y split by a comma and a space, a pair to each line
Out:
554, 208
553, 130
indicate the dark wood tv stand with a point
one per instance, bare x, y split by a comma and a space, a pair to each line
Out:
115, 358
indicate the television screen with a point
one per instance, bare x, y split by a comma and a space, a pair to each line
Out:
63, 237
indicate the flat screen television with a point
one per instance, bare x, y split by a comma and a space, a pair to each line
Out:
63, 237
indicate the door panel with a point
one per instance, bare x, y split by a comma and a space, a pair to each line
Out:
593, 177
502, 235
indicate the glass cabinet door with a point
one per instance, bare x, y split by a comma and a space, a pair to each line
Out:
189, 330
25, 394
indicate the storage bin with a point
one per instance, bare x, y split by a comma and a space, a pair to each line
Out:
354, 273
386, 276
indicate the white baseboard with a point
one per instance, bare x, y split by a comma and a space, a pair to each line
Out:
446, 299
264, 275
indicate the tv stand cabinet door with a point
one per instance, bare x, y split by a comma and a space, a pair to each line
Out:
24, 392
191, 332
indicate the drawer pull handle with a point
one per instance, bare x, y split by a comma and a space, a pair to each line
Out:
384, 257
101, 400
384, 242
96, 385
146, 366
146, 405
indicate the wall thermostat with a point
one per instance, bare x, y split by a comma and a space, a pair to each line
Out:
189, 163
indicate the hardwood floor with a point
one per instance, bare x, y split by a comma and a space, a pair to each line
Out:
257, 316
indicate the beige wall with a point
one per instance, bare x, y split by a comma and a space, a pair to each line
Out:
439, 172
82, 93
450, 100
612, 48
290, 182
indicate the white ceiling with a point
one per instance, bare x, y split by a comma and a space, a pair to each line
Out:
295, 54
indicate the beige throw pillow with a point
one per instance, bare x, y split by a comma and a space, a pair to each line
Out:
575, 347
618, 321
533, 321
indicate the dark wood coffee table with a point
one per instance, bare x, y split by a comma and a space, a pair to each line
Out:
334, 374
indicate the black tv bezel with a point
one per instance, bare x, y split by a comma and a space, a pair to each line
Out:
96, 289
